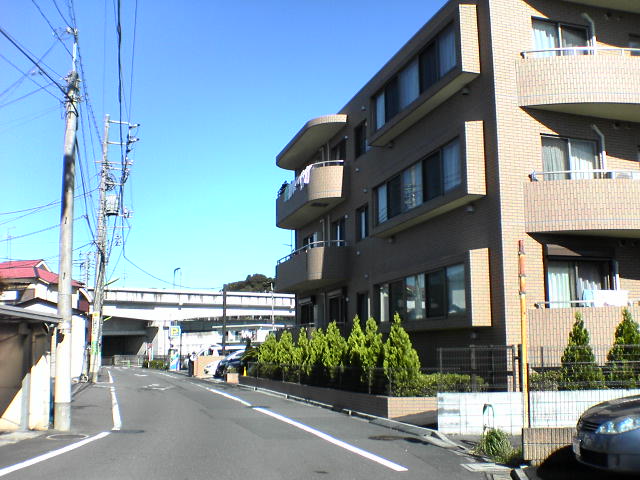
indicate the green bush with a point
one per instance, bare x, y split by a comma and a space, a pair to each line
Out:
579, 367
549, 380
495, 444
157, 364
623, 360
401, 363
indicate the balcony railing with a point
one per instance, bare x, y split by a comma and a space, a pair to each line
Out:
594, 174
567, 51
288, 189
305, 248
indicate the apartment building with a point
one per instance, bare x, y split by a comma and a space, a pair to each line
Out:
500, 121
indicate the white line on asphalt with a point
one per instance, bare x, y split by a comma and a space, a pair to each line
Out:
313, 431
115, 409
47, 456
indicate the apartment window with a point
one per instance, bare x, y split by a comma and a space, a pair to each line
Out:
549, 35
362, 222
634, 42
339, 151
436, 60
310, 240
440, 293
362, 306
575, 158
337, 309
338, 232
360, 144
436, 175
569, 279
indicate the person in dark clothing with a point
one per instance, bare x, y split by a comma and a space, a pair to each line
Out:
192, 362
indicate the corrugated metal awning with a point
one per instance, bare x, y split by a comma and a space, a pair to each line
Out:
9, 314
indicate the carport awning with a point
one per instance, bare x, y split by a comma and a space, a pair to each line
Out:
9, 314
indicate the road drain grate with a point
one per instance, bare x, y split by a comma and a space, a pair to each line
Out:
67, 436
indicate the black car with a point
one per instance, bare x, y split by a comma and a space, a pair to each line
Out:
233, 360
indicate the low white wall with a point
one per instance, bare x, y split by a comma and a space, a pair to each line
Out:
470, 413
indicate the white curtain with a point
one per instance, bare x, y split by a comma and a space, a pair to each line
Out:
582, 159
409, 84
545, 36
554, 157
451, 165
589, 277
380, 115
412, 187
447, 51
558, 280
382, 203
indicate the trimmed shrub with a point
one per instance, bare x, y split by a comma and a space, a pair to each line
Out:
550, 380
156, 364
579, 367
401, 363
623, 360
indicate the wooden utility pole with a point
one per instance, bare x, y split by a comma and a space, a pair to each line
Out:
62, 389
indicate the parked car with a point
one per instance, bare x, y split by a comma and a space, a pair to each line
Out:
232, 360
608, 435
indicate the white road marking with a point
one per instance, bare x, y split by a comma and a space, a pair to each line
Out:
140, 374
313, 431
47, 456
115, 409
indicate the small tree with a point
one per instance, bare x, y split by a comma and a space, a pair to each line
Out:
304, 352
355, 345
286, 353
579, 366
373, 350
335, 350
401, 363
267, 356
317, 346
623, 360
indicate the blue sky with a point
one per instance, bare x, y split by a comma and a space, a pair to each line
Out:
218, 87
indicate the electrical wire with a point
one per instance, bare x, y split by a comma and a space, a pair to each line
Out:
61, 15
24, 96
36, 232
51, 27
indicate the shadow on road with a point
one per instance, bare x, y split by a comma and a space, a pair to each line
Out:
562, 465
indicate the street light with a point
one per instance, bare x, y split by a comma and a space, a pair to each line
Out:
174, 276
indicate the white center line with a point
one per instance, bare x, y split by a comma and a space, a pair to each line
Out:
47, 456
313, 431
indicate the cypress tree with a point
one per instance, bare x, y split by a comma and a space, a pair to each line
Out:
623, 360
304, 352
579, 366
335, 350
401, 363
373, 350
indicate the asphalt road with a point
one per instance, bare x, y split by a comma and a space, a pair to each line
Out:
155, 425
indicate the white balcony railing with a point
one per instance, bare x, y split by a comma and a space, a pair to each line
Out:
305, 248
568, 51
288, 189
594, 174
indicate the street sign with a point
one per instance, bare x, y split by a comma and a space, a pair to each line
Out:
174, 331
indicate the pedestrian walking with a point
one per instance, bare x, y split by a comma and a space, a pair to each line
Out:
192, 362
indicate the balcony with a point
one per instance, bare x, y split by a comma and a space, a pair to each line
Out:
313, 266
467, 69
472, 186
594, 82
309, 139
631, 6
596, 202
318, 189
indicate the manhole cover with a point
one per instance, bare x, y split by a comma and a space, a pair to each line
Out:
67, 436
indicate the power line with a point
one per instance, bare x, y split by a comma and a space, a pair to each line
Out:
24, 96
36, 232
55, 32
61, 15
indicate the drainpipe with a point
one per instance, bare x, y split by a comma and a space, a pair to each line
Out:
603, 151
592, 24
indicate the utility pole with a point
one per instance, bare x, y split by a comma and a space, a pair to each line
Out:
62, 388
224, 320
105, 210
101, 262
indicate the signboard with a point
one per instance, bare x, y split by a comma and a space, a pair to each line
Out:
174, 331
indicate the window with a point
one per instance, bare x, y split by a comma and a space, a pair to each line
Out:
437, 59
337, 232
339, 151
362, 222
436, 175
549, 35
360, 144
441, 293
568, 279
306, 314
634, 42
337, 309
310, 240
574, 158
362, 307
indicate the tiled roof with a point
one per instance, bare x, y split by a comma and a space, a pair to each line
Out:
30, 269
